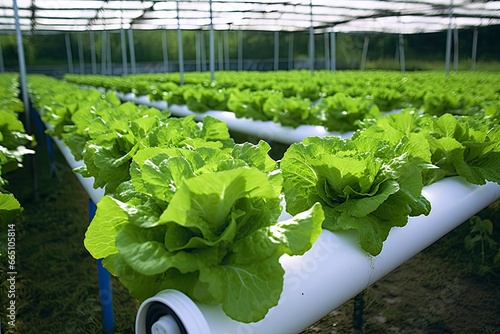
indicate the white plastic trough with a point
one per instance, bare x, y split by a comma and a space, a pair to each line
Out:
332, 272
267, 130
87, 182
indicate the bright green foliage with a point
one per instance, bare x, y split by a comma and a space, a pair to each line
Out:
360, 184
13, 139
443, 146
341, 112
205, 222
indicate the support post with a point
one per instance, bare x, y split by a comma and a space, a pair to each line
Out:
203, 51
197, 43
108, 50
124, 51
2, 67
211, 46
357, 319
131, 47
327, 51
333, 52
455, 49
22, 69
276, 50
68, 53
92, 52
80, 53
179, 45
474, 49
164, 48
105, 290
402, 53
448, 41
365, 52
240, 50
103, 52
220, 51
311, 39
290, 51
226, 50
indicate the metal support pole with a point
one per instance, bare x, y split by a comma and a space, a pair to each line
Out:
179, 45
22, 69
474, 49
333, 51
80, 52
455, 49
402, 53
164, 47
365, 52
220, 51
327, 51
290, 51
68, 53
105, 289
240, 50
448, 41
203, 51
2, 67
357, 319
108, 50
123, 41
131, 47
311, 39
226, 50
103, 52
276, 50
212, 51
197, 43
92, 52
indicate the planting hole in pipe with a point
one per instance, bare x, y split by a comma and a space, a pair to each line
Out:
163, 319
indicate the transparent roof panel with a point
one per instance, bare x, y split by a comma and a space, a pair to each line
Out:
395, 16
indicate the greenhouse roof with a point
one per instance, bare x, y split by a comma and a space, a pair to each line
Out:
393, 16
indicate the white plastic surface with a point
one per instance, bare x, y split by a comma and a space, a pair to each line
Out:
336, 269
262, 129
87, 182
165, 325
191, 317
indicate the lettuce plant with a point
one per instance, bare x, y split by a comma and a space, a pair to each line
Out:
205, 222
360, 184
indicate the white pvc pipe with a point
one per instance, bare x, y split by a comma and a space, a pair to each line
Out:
267, 130
87, 182
335, 269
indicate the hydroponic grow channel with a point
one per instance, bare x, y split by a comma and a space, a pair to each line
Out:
333, 271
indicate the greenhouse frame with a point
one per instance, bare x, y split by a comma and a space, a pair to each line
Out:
453, 200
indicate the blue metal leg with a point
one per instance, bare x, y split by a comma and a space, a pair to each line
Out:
50, 151
105, 292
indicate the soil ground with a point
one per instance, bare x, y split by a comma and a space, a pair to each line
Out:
437, 291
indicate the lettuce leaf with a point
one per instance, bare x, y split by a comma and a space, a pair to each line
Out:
357, 188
